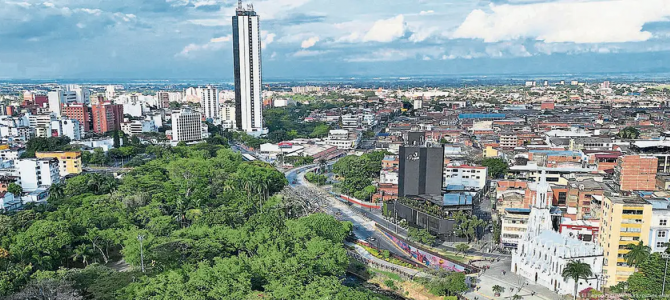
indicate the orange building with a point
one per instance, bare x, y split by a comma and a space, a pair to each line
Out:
636, 173
80, 113
107, 117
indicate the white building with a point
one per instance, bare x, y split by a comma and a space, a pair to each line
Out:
110, 92
388, 177
247, 61
138, 127
36, 173
271, 151
67, 127
186, 126
343, 139
543, 253
41, 124
228, 116
514, 223
58, 98
470, 177
209, 102
659, 231
103, 143
418, 104
82, 95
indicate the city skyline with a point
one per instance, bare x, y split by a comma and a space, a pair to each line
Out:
312, 38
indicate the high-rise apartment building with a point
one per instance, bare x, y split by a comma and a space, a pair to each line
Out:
80, 113
636, 173
247, 61
107, 117
420, 170
186, 126
623, 221
58, 98
162, 100
209, 102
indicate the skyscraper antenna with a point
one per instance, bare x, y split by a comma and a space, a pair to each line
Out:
239, 5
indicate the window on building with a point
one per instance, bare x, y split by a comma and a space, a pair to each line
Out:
661, 245
662, 234
562, 197
663, 223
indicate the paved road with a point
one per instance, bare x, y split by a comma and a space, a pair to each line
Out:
511, 283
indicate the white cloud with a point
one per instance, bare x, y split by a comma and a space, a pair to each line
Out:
309, 43
95, 11
222, 39
591, 21
421, 34
387, 30
213, 44
389, 54
426, 12
49, 4
267, 38
350, 38
308, 53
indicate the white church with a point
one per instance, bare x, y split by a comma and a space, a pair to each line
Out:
542, 253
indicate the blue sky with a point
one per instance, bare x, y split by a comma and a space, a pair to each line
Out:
311, 38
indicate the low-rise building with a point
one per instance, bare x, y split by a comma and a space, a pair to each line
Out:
514, 223
69, 161
471, 177
37, 172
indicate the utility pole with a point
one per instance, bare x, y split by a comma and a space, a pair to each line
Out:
141, 238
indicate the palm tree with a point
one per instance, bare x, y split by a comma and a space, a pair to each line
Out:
81, 252
57, 191
638, 253
577, 270
497, 290
516, 297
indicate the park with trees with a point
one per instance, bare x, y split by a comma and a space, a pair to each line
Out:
196, 222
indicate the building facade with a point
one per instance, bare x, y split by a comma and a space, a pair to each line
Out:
36, 173
420, 170
80, 113
209, 102
186, 126
470, 177
636, 173
623, 221
107, 117
247, 62
69, 162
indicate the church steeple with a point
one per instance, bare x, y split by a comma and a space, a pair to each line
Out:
542, 192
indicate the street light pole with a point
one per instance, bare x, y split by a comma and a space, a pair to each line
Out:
666, 256
141, 238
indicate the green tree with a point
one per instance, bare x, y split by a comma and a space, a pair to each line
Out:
577, 270
462, 248
629, 133
638, 253
497, 167
117, 139
44, 243
15, 189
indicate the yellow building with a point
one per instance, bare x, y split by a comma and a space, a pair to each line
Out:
624, 221
69, 161
489, 151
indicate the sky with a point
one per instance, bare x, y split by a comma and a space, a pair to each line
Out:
191, 39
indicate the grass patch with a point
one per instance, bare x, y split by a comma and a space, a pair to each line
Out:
392, 260
390, 275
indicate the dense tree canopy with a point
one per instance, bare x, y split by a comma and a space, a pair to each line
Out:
212, 227
358, 172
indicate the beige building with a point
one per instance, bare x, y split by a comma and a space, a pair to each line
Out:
623, 221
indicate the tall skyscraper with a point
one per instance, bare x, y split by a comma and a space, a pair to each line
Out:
209, 102
247, 59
